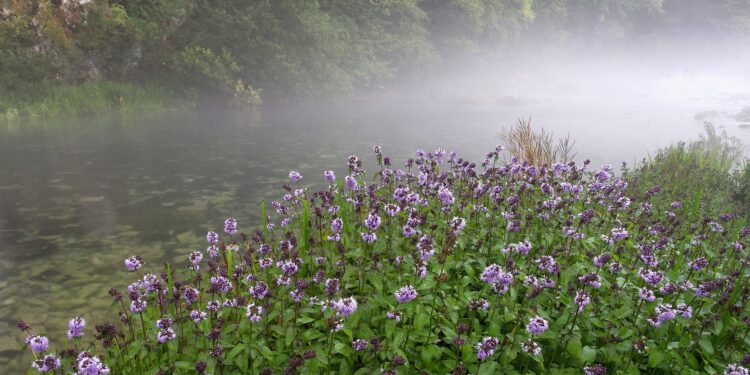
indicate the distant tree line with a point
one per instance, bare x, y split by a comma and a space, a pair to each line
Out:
238, 51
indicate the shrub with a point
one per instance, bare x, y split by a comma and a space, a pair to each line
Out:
699, 172
441, 267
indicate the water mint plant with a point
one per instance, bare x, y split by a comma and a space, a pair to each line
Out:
441, 266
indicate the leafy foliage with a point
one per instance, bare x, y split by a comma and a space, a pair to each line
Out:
443, 267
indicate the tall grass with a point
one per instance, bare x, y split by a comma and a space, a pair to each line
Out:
88, 99
707, 170
535, 147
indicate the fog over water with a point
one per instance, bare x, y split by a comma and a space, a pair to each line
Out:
75, 200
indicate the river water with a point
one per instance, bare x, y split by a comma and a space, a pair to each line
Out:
78, 196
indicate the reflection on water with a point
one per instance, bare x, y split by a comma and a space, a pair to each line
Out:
78, 197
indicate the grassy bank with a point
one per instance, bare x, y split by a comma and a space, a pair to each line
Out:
91, 98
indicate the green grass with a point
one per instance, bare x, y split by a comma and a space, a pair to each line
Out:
92, 98
710, 169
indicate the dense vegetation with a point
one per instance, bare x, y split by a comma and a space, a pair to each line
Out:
237, 51
446, 266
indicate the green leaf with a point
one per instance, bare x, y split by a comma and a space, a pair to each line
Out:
487, 368
706, 345
236, 350
588, 354
574, 347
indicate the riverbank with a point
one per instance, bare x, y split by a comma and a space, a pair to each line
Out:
92, 98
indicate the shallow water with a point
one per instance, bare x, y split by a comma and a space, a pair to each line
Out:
77, 197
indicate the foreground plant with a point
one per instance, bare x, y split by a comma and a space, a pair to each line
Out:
441, 267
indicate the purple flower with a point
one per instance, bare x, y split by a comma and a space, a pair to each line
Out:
391, 209
212, 237
164, 323
90, 365
332, 286
230, 226
295, 176
537, 325
647, 295
395, 315
75, 327
531, 348
369, 237
336, 225
591, 279
253, 312
373, 221
329, 176
165, 335
220, 284
649, 276
195, 259
406, 294
37, 343
46, 364
619, 234
213, 306
685, 311
137, 305
350, 183
360, 344
486, 347
345, 306
523, 247
735, 369
457, 224
596, 369
698, 263
445, 196
582, 299
198, 316
190, 295
133, 263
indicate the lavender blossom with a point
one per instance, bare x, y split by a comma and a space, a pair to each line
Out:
295, 176
133, 263
253, 312
230, 226
486, 347
38, 344
76, 327
406, 294
49, 363
537, 325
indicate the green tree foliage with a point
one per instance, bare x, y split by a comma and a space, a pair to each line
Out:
234, 49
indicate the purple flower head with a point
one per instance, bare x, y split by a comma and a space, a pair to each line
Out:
446, 196
230, 226
735, 369
49, 363
582, 299
295, 176
523, 247
647, 295
254, 312
165, 335
596, 369
195, 258
685, 311
531, 348
90, 365
38, 344
133, 263
76, 327
345, 306
406, 294
395, 315
369, 237
350, 183
220, 284
360, 344
336, 225
601, 260
137, 305
591, 279
198, 316
265, 262
332, 286
164, 323
665, 312
486, 347
537, 325
698, 263
212, 237
391, 209
213, 306
288, 267
457, 224
618, 234
650, 276
373, 221
190, 295
329, 176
